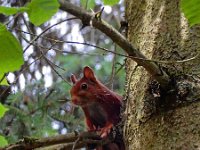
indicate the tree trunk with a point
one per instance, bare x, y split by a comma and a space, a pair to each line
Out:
162, 118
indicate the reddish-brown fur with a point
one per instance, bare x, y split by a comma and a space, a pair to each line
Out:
100, 105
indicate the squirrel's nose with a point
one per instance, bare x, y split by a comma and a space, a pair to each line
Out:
75, 100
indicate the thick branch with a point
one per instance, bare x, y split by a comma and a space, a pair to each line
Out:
88, 18
67, 141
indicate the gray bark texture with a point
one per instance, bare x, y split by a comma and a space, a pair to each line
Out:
155, 118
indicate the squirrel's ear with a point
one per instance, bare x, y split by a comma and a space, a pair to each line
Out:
73, 78
88, 73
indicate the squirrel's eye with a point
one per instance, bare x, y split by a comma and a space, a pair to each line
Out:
84, 86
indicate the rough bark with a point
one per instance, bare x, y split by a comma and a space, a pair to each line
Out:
162, 118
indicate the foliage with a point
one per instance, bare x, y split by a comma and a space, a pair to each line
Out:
110, 2
39, 11
12, 10
42, 10
10, 52
3, 141
191, 10
2, 110
91, 3
11, 59
32, 113
88, 3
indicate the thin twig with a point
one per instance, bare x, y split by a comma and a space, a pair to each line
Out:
52, 67
45, 30
113, 69
49, 62
75, 143
119, 54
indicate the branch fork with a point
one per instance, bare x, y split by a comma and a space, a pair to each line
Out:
86, 17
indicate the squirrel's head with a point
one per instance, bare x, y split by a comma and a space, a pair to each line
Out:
82, 92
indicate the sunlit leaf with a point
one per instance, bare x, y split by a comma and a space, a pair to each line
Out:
11, 53
3, 141
191, 9
88, 3
12, 10
41, 11
110, 2
3, 109
3, 80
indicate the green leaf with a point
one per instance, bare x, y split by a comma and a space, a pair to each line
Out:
3, 141
11, 53
3, 80
110, 2
41, 11
12, 10
191, 9
88, 3
2, 110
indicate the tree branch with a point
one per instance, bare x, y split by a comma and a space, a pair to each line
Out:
88, 18
63, 141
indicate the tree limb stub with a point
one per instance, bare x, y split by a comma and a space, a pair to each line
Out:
87, 18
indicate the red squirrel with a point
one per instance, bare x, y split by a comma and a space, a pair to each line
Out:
101, 106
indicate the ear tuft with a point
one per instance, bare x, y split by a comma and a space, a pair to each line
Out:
89, 73
73, 78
